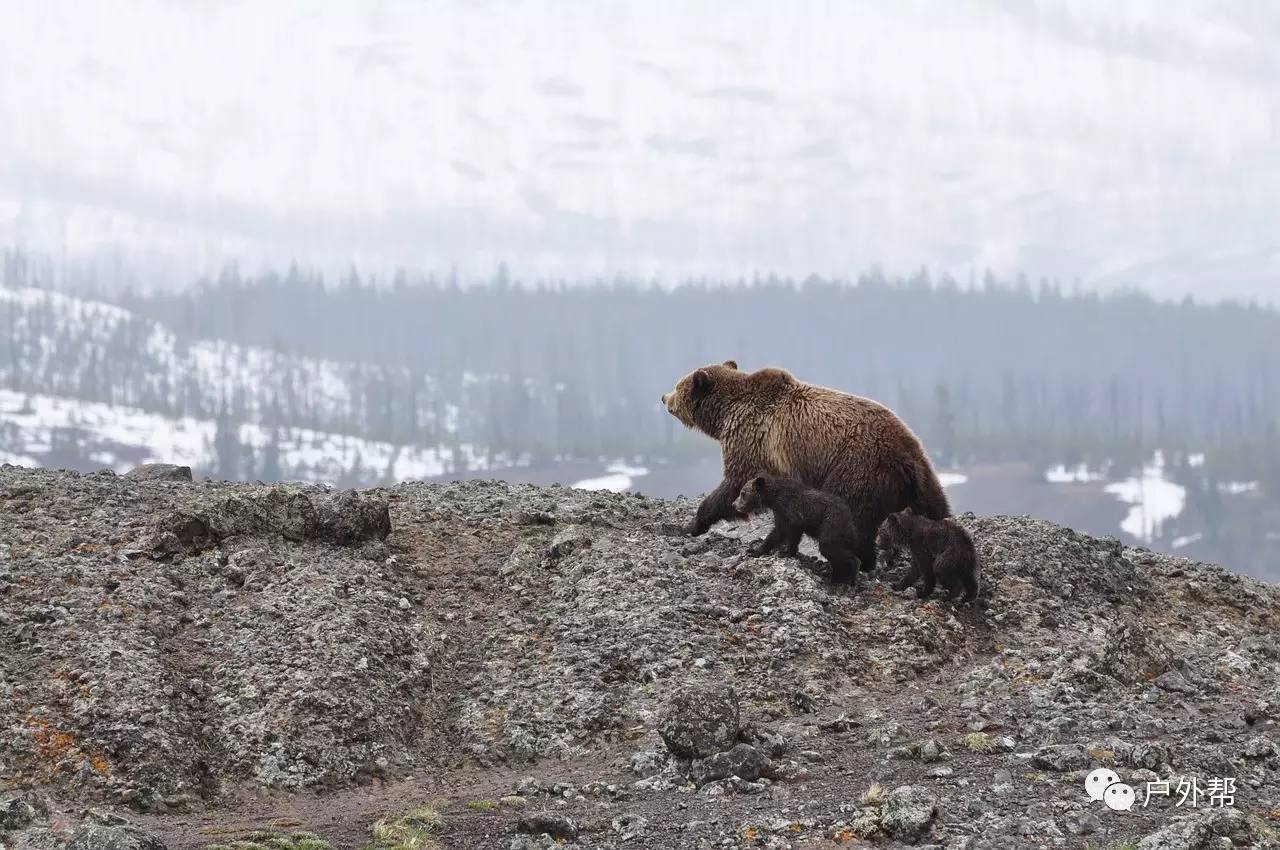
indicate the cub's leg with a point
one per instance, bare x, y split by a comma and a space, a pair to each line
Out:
922, 559
791, 546
910, 578
957, 568
717, 505
775, 537
844, 563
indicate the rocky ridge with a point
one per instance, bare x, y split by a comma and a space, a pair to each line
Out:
174, 649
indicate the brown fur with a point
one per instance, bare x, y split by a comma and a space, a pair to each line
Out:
846, 445
799, 510
940, 549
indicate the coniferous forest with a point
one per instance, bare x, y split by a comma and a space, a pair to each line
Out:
993, 374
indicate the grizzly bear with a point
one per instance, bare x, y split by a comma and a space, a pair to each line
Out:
846, 445
799, 510
940, 549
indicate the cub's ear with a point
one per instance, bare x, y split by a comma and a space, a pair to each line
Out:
732, 364
701, 381
907, 511
758, 481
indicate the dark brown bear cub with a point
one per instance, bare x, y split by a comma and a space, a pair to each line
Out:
940, 550
799, 510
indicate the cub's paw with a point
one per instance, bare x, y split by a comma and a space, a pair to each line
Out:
758, 549
696, 529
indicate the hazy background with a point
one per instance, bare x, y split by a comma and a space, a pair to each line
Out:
367, 242
1124, 144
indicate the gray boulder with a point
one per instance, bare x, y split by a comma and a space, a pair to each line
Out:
701, 721
344, 518
908, 811
160, 472
550, 823
1206, 830
21, 810
743, 761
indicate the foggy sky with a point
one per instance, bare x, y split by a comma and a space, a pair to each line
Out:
1129, 143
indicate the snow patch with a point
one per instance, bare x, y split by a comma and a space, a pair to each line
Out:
1153, 499
619, 478
1078, 474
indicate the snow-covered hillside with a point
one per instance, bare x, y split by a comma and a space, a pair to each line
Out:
43, 430
86, 384
75, 348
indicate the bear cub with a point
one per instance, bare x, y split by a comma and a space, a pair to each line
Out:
940, 550
799, 510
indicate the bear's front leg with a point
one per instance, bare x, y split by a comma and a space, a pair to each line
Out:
791, 546
768, 544
717, 505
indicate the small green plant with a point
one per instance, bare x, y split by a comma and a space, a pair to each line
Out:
979, 742
414, 830
874, 795
482, 805
269, 840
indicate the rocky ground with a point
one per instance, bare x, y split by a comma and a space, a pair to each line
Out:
483, 665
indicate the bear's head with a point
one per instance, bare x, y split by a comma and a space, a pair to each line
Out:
751, 499
893, 531
699, 398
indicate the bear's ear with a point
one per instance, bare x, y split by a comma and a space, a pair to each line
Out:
732, 364
907, 511
701, 381
758, 481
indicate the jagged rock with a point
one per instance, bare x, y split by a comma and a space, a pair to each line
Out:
97, 837
18, 811
629, 827
350, 517
701, 721
1260, 748
1132, 654
647, 763
1061, 757
345, 518
159, 472
569, 540
907, 812
550, 823
743, 761
1204, 830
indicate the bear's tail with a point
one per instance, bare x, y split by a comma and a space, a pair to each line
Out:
927, 498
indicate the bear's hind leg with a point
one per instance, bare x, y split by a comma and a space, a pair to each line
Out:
957, 568
909, 578
928, 573
844, 563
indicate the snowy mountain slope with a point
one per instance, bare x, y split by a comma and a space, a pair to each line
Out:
76, 348
43, 430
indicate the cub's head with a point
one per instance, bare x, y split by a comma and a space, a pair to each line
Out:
699, 398
893, 531
751, 499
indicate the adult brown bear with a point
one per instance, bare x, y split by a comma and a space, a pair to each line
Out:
768, 422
